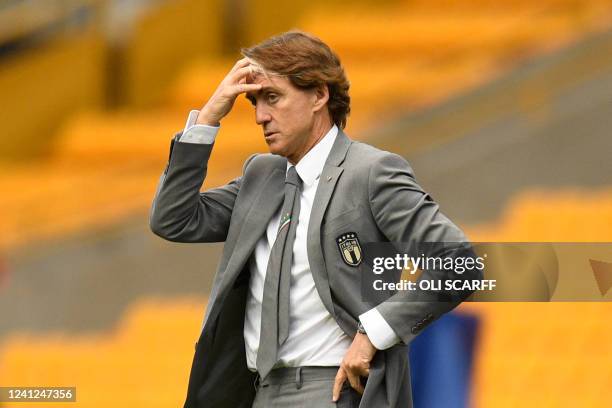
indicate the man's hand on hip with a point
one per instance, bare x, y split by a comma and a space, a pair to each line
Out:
356, 364
222, 101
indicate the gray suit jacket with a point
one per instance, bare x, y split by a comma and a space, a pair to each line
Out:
363, 190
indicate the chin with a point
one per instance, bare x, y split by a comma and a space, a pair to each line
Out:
274, 148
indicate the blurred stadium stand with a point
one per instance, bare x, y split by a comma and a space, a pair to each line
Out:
502, 108
51, 64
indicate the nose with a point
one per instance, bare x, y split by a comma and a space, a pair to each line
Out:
262, 116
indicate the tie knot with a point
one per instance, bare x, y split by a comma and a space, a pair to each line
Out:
293, 177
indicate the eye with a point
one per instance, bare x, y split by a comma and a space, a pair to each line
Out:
272, 98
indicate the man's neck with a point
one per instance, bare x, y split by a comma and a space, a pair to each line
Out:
318, 133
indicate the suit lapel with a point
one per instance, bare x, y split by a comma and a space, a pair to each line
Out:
254, 225
327, 183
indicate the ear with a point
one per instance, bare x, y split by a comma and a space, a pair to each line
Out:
321, 96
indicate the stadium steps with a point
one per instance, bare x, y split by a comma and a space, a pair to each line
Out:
550, 216
144, 362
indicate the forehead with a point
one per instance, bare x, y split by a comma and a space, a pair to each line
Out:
270, 82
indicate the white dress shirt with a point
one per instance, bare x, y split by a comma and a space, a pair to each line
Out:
315, 339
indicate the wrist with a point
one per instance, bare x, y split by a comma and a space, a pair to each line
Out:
365, 344
363, 336
204, 118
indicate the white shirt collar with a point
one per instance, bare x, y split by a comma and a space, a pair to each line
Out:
310, 167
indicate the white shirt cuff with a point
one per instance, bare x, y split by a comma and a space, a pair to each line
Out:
379, 332
200, 134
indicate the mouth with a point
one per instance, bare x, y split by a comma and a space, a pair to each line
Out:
268, 135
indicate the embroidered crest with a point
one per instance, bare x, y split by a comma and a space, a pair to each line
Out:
349, 247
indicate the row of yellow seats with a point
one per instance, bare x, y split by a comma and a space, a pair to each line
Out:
147, 357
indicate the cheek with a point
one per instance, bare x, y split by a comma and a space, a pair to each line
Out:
293, 118
286, 120
299, 117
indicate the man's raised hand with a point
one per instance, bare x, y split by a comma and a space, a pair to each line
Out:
222, 100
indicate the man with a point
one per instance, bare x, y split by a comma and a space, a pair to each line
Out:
286, 324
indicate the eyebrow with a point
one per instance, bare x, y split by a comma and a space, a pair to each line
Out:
269, 88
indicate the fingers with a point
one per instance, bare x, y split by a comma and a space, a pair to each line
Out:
240, 64
339, 380
243, 88
353, 379
239, 74
237, 84
355, 382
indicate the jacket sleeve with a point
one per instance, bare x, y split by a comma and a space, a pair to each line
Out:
180, 212
412, 220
